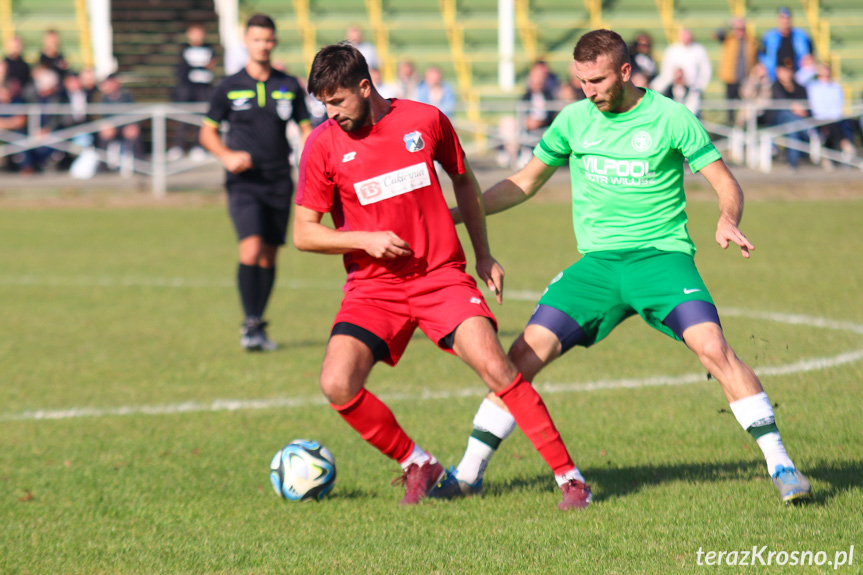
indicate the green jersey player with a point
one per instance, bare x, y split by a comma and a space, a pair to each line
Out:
625, 148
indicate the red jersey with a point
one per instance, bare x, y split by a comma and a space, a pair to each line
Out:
383, 178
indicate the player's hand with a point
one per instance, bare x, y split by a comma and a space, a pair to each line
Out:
491, 272
386, 245
728, 233
237, 161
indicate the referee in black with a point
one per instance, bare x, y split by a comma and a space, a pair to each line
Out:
257, 102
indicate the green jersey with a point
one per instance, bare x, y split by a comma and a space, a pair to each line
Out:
627, 172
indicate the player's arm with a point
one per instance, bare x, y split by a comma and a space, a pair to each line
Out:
469, 197
310, 235
730, 206
514, 190
235, 161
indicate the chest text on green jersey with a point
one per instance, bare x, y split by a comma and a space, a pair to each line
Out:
618, 172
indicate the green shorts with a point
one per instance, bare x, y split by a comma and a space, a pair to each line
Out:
604, 288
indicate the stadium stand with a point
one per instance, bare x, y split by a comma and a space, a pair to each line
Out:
31, 18
459, 36
148, 35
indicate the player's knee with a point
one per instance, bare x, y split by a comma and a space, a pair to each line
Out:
499, 372
251, 250
335, 388
715, 352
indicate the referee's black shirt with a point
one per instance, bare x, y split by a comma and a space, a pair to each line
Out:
258, 113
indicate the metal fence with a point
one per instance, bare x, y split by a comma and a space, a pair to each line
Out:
748, 143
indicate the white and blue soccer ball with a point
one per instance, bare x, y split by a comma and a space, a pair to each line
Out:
303, 470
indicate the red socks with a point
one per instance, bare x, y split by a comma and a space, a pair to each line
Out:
376, 424
531, 415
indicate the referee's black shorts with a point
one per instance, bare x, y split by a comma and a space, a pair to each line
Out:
258, 210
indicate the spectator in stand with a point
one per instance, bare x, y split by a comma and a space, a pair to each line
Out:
47, 90
807, 72
355, 36
756, 89
785, 88
375, 75
124, 143
11, 122
784, 45
679, 90
540, 100
87, 77
692, 58
641, 58
18, 78
737, 58
194, 81
538, 113
827, 100
78, 98
405, 85
570, 91
435, 91
552, 82
51, 56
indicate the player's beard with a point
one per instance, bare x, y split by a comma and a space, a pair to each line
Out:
354, 124
613, 99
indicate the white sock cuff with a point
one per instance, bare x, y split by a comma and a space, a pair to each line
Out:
752, 409
566, 477
489, 417
418, 456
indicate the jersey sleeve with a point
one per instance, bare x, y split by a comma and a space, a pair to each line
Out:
219, 106
692, 140
449, 152
315, 187
554, 148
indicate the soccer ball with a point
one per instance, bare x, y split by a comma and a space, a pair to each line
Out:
303, 470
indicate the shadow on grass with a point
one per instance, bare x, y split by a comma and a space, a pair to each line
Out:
830, 478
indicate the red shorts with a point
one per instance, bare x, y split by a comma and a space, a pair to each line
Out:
437, 303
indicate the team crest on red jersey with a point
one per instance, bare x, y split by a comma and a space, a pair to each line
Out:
414, 142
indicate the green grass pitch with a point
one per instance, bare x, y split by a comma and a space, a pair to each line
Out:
136, 435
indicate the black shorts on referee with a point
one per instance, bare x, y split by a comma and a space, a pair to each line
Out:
261, 209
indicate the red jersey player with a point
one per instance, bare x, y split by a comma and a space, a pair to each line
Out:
371, 166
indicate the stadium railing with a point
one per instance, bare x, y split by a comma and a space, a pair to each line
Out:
116, 115
747, 143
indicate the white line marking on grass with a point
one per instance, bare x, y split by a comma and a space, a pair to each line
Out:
813, 364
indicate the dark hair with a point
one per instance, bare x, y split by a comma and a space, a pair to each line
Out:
601, 42
337, 66
261, 21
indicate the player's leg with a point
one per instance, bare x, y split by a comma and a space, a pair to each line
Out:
476, 343
261, 229
694, 320
256, 276
535, 348
246, 214
549, 334
351, 353
749, 404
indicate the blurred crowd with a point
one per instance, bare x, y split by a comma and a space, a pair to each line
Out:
51, 80
780, 67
